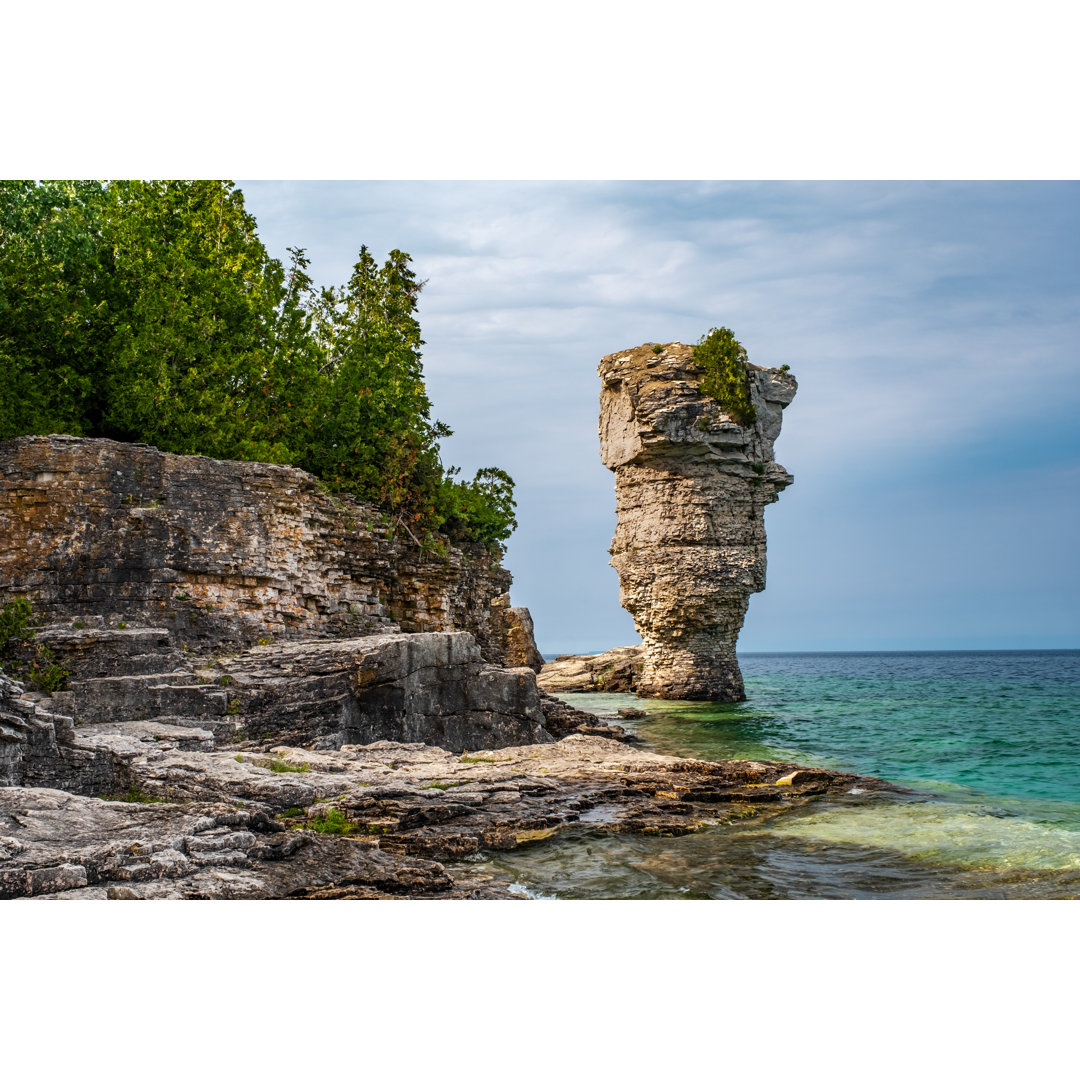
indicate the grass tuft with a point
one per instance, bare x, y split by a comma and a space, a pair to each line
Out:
333, 821
279, 764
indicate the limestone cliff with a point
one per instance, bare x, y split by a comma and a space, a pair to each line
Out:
691, 487
128, 552
241, 600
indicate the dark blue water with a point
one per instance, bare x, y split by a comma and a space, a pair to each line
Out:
992, 739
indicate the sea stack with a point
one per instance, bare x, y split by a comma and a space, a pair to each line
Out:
691, 487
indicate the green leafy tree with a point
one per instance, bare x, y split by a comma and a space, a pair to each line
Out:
369, 417
481, 509
197, 297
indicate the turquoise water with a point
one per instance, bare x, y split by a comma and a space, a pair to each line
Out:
989, 741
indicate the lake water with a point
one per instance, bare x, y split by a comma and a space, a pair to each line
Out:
990, 741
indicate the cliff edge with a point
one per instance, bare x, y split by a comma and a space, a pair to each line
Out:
691, 487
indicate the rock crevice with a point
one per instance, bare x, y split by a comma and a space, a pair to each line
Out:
691, 487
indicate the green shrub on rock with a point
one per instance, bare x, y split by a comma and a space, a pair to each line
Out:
727, 376
15, 623
17, 640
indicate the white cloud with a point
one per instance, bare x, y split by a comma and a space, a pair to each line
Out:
919, 319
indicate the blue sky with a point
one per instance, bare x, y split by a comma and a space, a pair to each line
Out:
934, 329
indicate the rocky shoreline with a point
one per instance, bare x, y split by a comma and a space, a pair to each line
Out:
268, 696
194, 812
245, 776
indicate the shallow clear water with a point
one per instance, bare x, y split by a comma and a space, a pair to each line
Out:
989, 740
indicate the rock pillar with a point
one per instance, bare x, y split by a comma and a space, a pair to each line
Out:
691, 487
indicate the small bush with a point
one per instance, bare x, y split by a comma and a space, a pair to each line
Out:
727, 376
132, 795
44, 673
15, 622
16, 630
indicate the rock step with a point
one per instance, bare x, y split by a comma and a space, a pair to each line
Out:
140, 697
432, 688
99, 651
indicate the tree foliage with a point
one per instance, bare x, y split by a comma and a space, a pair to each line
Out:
727, 377
151, 312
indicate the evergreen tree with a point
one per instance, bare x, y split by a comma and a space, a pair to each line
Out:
150, 311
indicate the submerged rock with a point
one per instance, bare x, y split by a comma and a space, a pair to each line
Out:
691, 487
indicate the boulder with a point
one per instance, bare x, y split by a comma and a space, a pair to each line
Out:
616, 671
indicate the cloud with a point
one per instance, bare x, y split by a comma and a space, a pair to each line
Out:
924, 322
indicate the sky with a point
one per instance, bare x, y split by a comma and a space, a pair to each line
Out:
934, 329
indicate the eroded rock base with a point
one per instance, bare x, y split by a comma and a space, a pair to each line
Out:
705, 670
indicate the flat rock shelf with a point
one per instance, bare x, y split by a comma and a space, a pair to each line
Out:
366, 822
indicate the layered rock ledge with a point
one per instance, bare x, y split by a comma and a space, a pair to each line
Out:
691, 487
183, 816
199, 554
